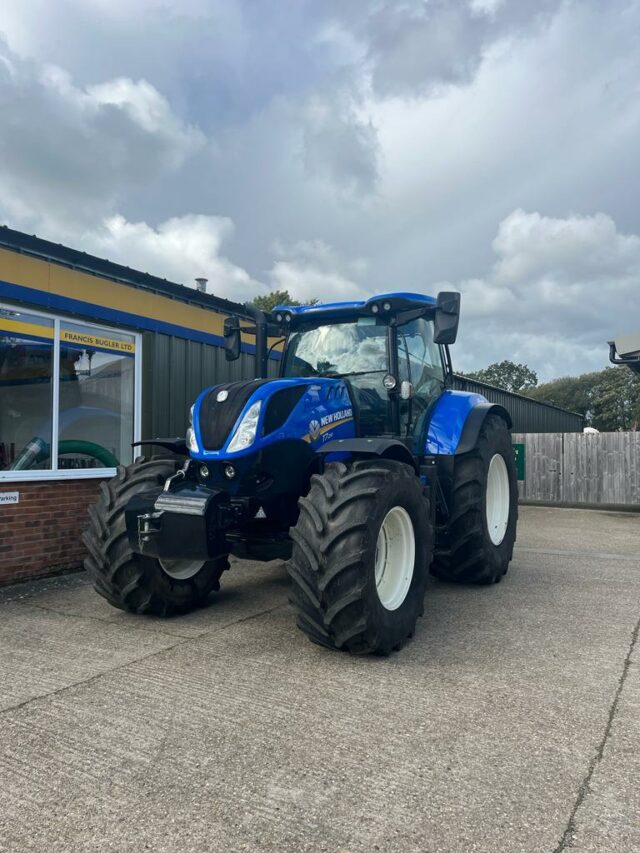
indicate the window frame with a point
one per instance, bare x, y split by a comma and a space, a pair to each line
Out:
406, 405
439, 347
55, 473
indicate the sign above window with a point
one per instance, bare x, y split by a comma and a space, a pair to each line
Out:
94, 341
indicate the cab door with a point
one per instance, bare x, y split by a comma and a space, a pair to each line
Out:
420, 363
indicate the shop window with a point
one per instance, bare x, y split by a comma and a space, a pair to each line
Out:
96, 397
26, 390
71, 381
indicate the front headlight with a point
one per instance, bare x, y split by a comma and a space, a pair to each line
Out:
192, 444
245, 435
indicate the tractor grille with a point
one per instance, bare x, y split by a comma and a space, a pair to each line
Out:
217, 419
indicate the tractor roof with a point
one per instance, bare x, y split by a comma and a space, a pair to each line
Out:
382, 304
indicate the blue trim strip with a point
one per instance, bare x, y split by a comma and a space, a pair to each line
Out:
110, 315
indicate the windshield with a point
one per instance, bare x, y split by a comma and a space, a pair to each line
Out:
339, 349
358, 351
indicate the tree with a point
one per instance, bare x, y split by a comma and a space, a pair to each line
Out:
268, 301
618, 403
508, 375
567, 392
609, 399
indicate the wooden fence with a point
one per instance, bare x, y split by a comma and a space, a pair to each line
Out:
602, 468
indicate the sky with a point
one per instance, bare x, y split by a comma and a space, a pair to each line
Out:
339, 148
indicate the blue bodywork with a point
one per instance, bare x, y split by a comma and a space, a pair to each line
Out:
324, 411
448, 421
327, 307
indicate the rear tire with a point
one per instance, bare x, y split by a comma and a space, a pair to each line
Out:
361, 553
477, 544
126, 579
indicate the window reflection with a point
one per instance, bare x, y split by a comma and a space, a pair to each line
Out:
421, 364
26, 385
96, 397
95, 415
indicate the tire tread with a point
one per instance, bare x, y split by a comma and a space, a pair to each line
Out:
327, 567
119, 575
463, 553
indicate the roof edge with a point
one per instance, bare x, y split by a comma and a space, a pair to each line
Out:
516, 394
57, 253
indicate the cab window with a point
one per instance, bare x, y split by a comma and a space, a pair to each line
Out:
420, 363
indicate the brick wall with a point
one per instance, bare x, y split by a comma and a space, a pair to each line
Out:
41, 534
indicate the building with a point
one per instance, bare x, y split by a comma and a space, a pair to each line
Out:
94, 356
527, 415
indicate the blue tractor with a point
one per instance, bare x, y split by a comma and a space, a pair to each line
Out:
358, 465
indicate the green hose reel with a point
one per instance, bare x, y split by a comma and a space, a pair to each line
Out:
37, 450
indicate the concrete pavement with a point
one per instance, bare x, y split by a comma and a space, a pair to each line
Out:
510, 723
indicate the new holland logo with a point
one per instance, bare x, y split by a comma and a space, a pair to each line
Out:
314, 430
326, 423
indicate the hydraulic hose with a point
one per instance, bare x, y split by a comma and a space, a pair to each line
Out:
37, 450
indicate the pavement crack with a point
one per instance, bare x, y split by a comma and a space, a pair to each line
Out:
569, 834
93, 678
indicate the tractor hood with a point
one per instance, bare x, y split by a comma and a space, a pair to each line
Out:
237, 419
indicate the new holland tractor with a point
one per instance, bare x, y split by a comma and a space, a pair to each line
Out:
358, 465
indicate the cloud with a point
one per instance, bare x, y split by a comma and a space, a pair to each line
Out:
68, 153
314, 270
180, 249
148, 110
217, 61
407, 135
578, 248
415, 47
339, 145
559, 289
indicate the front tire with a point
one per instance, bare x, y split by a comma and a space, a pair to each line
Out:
361, 553
125, 578
476, 545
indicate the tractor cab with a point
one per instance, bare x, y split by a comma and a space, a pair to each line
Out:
390, 351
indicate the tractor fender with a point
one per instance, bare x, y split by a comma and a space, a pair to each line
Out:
387, 448
474, 421
456, 421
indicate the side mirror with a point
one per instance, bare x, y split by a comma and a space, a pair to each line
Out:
447, 318
232, 338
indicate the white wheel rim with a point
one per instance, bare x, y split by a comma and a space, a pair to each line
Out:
498, 499
395, 558
181, 570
